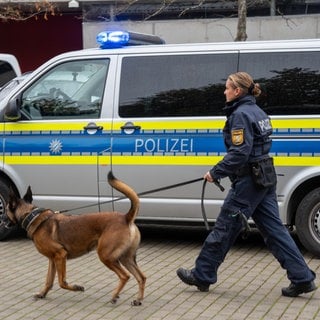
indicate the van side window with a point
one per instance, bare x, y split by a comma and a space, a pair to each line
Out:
174, 85
6, 72
290, 81
70, 90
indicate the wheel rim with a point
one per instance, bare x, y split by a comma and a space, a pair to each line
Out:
315, 222
2, 206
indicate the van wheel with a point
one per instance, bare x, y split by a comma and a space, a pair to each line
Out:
7, 229
308, 222
4, 194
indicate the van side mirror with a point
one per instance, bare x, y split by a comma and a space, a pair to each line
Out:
12, 110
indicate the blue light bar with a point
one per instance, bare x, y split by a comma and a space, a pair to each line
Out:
116, 39
112, 39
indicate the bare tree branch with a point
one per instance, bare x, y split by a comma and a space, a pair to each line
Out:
19, 11
288, 20
24, 11
201, 2
164, 5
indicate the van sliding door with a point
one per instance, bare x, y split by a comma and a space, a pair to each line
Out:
169, 129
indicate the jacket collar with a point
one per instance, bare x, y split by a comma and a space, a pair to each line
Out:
234, 104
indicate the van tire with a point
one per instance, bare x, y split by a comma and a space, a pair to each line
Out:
7, 229
308, 222
4, 195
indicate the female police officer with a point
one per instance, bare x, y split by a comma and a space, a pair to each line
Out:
247, 163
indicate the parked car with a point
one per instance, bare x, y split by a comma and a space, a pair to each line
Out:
6, 88
9, 68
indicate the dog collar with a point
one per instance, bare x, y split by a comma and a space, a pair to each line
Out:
27, 221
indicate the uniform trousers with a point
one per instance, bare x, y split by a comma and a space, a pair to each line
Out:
260, 205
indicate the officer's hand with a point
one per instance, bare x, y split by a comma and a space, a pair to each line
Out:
208, 177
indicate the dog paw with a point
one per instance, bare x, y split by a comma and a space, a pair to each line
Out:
136, 303
78, 288
38, 296
114, 299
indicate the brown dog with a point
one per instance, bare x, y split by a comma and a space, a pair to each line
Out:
60, 237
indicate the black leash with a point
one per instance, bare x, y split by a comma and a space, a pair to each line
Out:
162, 189
203, 210
139, 194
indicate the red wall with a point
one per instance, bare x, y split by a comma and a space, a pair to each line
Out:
35, 41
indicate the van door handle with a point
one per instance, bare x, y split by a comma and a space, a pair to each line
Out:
92, 126
130, 126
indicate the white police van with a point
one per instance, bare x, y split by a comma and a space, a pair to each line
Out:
153, 115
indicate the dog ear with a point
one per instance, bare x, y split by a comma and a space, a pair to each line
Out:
13, 201
28, 196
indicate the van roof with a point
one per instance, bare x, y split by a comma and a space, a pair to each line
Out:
258, 46
244, 46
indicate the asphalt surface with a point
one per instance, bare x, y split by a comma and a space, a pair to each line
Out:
249, 284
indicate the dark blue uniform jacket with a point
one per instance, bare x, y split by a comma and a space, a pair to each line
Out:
246, 136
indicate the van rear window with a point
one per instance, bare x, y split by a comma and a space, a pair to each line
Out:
175, 85
290, 81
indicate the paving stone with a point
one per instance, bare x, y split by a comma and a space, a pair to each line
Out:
249, 285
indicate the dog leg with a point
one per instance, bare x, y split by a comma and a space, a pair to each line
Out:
49, 281
61, 265
123, 278
130, 263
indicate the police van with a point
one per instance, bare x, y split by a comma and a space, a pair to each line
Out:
153, 114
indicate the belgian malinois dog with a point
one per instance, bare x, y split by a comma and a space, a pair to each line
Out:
60, 237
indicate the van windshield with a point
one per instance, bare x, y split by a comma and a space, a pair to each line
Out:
70, 90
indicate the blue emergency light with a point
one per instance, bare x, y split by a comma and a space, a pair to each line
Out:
116, 39
107, 39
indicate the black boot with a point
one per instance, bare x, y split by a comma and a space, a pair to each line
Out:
296, 289
188, 278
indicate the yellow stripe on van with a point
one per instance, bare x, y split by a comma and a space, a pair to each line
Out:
51, 126
53, 160
214, 124
297, 161
105, 160
146, 160
204, 160
185, 124
296, 123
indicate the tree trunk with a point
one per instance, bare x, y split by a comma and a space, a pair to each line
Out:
242, 21
272, 7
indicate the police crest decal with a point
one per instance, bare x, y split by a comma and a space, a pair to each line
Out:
237, 137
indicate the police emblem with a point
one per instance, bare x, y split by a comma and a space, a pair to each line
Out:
237, 137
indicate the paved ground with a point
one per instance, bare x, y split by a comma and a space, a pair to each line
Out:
249, 286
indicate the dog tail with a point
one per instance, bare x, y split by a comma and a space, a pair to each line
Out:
127, 191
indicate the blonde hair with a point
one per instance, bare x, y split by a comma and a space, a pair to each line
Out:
245, 82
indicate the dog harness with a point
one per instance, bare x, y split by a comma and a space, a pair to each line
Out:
35, 219
27, 221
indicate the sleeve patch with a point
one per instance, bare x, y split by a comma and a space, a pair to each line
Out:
237, 137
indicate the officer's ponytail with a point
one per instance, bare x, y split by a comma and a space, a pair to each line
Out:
254, 89
245, 82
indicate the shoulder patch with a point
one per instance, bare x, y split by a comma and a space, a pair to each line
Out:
237, 137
